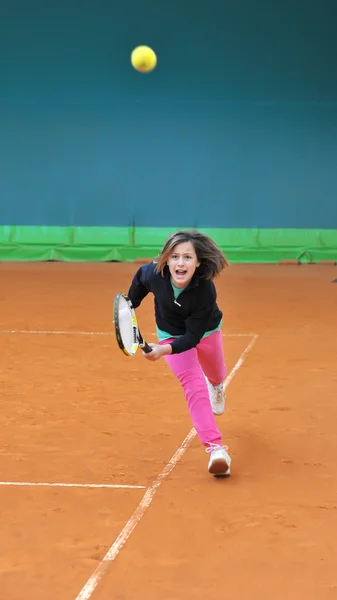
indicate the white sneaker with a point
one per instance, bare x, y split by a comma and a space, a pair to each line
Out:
217, 397
219, 462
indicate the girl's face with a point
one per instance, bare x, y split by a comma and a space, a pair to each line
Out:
182, 263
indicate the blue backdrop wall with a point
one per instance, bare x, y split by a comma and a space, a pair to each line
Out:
236, 127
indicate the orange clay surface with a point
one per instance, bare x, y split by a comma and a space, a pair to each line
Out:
75, 410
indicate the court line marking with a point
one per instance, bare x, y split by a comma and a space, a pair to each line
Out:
108, 333
51, 332
117, 545
72, 485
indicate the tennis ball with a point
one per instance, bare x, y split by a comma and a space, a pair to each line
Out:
143, 59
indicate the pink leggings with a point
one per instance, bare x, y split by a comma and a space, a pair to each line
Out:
189, 367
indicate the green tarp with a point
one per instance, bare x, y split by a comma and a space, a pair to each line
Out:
28, 243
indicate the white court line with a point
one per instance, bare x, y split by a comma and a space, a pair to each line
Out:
55, 332
144, 504
72, 485
52, 332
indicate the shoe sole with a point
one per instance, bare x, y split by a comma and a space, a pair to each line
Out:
218, 409
218, 412
219, 468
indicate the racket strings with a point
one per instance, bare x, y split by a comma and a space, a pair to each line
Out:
128, 331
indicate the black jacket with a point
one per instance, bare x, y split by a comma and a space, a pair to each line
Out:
190, 316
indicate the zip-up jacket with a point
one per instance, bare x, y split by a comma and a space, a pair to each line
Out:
193, 313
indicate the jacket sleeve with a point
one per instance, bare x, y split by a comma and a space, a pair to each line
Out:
196, 325
140, 286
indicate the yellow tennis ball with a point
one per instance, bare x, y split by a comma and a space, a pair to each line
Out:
143, 59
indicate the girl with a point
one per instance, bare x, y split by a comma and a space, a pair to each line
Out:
188, 327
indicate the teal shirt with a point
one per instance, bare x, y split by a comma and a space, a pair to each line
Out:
163, 335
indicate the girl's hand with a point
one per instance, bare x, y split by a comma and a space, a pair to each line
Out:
158, 351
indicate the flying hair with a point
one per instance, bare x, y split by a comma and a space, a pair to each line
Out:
212, 260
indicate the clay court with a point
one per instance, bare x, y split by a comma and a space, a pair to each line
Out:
104, 487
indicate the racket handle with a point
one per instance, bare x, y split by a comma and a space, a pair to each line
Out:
146, 348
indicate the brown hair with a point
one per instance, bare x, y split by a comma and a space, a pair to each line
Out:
212, 260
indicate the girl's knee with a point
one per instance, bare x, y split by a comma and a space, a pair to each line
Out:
192, 381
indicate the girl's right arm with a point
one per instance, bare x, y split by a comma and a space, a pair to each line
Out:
140, 286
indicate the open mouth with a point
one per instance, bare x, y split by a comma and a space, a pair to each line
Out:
181, 272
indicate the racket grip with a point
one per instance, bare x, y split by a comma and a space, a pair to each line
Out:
147, 349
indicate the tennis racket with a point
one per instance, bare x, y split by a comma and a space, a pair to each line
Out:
128, 336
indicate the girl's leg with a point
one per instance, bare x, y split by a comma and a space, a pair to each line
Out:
187, 369
211, 357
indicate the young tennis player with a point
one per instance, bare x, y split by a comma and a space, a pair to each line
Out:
188, 327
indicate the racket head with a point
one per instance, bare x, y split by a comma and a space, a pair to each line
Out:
126, 326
